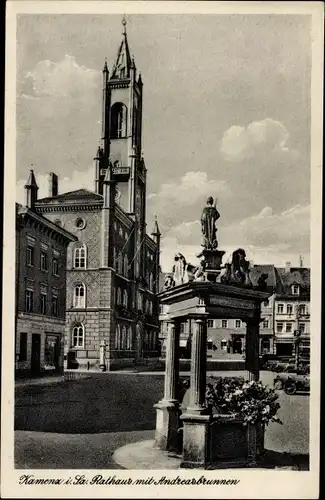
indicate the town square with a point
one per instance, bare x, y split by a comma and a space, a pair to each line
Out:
163, 265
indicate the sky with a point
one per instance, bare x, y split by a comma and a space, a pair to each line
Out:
226, 114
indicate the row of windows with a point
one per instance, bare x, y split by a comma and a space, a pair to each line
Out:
43, 303
283, 327
238, 323
44, 260
302, 309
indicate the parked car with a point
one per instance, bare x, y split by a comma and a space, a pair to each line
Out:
292, 382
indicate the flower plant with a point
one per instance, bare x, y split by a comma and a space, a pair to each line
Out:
252, 401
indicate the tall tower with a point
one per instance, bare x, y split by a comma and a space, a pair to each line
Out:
121, 132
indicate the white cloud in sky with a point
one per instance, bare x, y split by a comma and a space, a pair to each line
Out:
64, 78
240, 143
268, 238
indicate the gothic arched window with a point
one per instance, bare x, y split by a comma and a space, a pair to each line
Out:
79, 257
119, 263
126, 265
78, 335
151, 282
125, 298
129, 338
124, 338
79, 296
118, 120
118, 297
118, 337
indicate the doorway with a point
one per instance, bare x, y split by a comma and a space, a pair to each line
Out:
237, 345
35, 363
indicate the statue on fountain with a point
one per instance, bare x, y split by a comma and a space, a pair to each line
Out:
236, 272
209, 217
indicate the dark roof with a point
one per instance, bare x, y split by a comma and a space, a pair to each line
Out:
23, 211
296, 275
79, 195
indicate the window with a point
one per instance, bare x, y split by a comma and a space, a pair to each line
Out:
23, 346
279, 327
151, 281
55, 267
118, 120
266, 323
44, 261
79, 299
119, 263
126, 265
55, 305
238, 323
78, 335
43, 301
288, 327
125, 298
29, 300
30, 256
79, 259
295, 289
124, 338
265, 346
118, 297
280, 308
118, 337
289, 308
302, 328
140, 302
182, 328
210, 323
302, 309
129, 338
201, 302
224, 323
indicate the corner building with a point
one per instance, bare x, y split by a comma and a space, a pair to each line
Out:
113, 269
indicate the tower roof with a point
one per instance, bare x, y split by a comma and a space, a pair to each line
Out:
31, 180
123, 63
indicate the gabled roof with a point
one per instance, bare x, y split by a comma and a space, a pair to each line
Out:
71, 197
296, 276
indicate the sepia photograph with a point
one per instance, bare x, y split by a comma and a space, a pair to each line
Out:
162, 249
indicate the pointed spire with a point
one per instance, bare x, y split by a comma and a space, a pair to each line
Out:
124, 25
156, 232
31, 180
105, 69
123, 63
31, 189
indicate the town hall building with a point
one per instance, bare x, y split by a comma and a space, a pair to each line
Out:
113, 268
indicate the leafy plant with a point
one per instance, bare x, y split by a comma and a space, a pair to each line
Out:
251, 401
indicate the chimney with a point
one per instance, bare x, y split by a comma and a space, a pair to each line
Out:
53, 185
288, 266
301, 261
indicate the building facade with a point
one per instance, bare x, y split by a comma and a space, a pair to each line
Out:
285, 314
112, 315
41, 249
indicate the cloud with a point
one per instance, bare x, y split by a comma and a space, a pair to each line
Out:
64, 78
267, 237
184, 198
259, 137
77, 180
